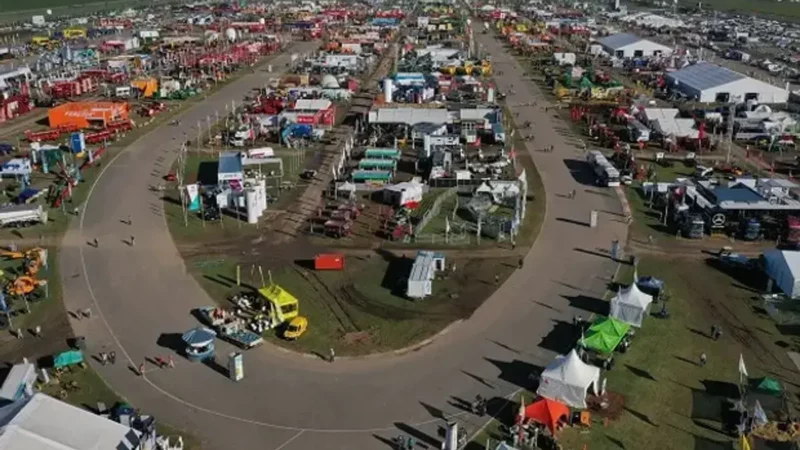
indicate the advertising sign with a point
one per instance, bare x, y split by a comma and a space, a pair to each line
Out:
305, 120
235, 366
193, 195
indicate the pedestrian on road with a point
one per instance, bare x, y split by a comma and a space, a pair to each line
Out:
650, 239
96, 243
497, 279
170, 362
513, 245
572, 194
718, 333
76, 211
112, 357
703, 359
103, 358
38, 331
333, 355
713, 331
141, 369
130, 221
521, 263
19, 333
132, 241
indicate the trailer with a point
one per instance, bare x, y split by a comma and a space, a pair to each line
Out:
229, 327
22, 215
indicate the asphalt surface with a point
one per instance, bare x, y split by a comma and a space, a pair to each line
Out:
287, 401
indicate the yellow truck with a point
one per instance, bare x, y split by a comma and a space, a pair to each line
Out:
284, 311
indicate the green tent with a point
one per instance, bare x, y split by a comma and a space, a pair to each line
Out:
605, 335
610, 326
767, 385
67, 359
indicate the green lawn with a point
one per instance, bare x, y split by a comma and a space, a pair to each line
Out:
358, 311
668, 397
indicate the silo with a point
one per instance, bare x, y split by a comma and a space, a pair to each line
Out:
252, 206
387, 89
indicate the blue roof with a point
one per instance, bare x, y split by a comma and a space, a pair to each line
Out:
738, 193
702, 76
230, 162
616, 41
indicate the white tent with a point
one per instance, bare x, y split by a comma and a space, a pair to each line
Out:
784, 267
567, 378
631, 305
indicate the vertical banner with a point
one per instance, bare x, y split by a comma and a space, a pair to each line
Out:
193, 197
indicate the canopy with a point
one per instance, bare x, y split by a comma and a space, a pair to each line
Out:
783, 266
767, 385
650, 285
631, 305
547, 412
567, 378
605, 335
67, 359
199, 337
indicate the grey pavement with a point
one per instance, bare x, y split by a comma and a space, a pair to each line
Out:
287, 401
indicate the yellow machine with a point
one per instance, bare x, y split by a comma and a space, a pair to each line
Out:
74, 33
24, 285
34, 258
41, 41
284, 310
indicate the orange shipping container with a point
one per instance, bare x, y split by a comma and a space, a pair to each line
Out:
329, 261
87, 114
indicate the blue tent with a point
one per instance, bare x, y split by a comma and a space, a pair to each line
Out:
199, 337
783, 267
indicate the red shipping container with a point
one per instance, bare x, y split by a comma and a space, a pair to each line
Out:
329, 261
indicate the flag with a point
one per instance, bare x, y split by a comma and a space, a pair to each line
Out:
742, 368
521, 412
759, 416
744, 443
446, 225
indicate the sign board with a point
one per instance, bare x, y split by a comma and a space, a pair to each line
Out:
235, 366
305, 120
593, 219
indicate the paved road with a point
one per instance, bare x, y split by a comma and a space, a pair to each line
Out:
290, 402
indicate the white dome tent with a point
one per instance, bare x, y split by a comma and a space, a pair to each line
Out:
631, 305
567, 378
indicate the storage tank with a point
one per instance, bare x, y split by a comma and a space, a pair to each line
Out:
252, 206
230, 34
387, 89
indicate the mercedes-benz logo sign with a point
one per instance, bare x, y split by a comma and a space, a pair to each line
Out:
718, 219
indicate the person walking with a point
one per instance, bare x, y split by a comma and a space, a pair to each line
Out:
133, 241
713, 332
141, 369
112, 357
496, 279
130, 221
170, 362
103, 358
521, 263
703, 360
38, 331
96, 243
332, 355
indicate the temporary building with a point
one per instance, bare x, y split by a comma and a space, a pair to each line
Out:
87, 114
605, 335
783, 266
42, 422
631, 305
710, 83
420, 281
547, 412
199, 337
567, 378
19, 382
626, 45
404, 194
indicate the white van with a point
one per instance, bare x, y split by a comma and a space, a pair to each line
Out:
122, 92
261, 153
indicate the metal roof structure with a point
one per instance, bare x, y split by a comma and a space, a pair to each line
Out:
738, 193
312, 104
44, 423
702, 76
616, 41
230, 163
409, 116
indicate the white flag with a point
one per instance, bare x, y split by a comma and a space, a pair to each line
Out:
446, 225
742, 368
759, 416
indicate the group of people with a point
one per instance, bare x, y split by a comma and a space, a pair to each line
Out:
110, 357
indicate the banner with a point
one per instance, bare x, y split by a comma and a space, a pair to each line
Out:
193, 197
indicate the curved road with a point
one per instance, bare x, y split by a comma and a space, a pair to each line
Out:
287, 401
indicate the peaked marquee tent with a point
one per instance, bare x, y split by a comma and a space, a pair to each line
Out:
631, 305
567, 378
547, 412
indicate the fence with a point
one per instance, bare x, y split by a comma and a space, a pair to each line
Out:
434, 209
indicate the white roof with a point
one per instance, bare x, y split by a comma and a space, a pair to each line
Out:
783, 266
404, 186
45, 423
676, 127
409, 116
652, 114
19, 374
312, 105
567, 378
633, 296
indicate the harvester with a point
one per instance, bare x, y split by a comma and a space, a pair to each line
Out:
34, 259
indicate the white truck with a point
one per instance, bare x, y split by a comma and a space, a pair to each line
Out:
22, 215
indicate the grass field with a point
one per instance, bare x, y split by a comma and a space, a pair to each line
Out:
668, 397
14, 10
362, 310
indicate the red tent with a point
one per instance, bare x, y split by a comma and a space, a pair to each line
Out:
547, 412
